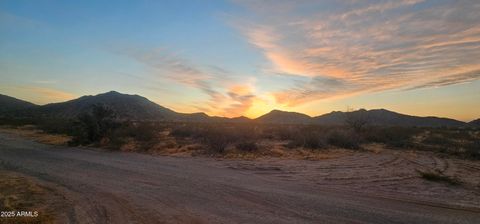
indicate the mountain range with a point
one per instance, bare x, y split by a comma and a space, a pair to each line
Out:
135, 107
8, 103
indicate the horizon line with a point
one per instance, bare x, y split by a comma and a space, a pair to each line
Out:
288, 111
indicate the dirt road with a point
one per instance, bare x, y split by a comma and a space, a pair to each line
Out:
113, 187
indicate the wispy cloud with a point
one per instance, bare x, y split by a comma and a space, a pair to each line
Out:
242, 97
451, 80
377, 7
226, 97
45, 81
365, 46
38, 95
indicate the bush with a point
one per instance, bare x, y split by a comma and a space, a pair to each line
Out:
456, 142
344, 139
17, 121
49, 125
314, 140
435, 139
399, 137
216, 140
248, 146
459, 134
218, 136
55, 126
308, 139
117, 139
473, 150
285, 132
94, 126
184, 131
357, 120
145, 133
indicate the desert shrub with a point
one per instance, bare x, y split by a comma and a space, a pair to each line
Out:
285, 132
248, 146
457, 142
216, 139
455, 133
436, 139
314, 140
344, 139
117, 139
308, 139
357, 120
50, 125
218, 136
398, 137
17, 121
94, 126
55, 126
85, 130
319, 137
184, 131
244, 132
267, 131
473, 150
143, 131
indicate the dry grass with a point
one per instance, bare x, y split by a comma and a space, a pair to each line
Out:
30, 132
277, 149
253, 140
18, 193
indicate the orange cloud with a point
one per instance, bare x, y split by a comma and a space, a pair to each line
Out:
240, 99
365, 47
378, 7
38, 95
225, 95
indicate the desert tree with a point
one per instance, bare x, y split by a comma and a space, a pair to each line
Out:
95, 125
357, 120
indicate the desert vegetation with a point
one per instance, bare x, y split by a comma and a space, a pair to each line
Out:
360, 156
102, 128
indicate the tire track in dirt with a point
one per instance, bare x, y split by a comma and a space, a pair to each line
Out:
360, 187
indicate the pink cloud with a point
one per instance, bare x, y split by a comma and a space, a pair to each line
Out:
225, 96
366, 47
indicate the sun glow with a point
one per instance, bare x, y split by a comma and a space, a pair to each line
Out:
263, 105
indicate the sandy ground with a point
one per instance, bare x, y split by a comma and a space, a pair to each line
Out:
20, 193
392, 174
357, 187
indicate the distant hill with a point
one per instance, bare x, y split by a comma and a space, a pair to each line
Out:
384, 117
332, 118
240, 119
126, 106
380, 117
193, 117
10, 104
135, 107
475, 123
278, 116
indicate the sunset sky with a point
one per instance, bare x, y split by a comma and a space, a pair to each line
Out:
232, 58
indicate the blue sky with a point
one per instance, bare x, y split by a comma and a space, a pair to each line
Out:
233, 58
